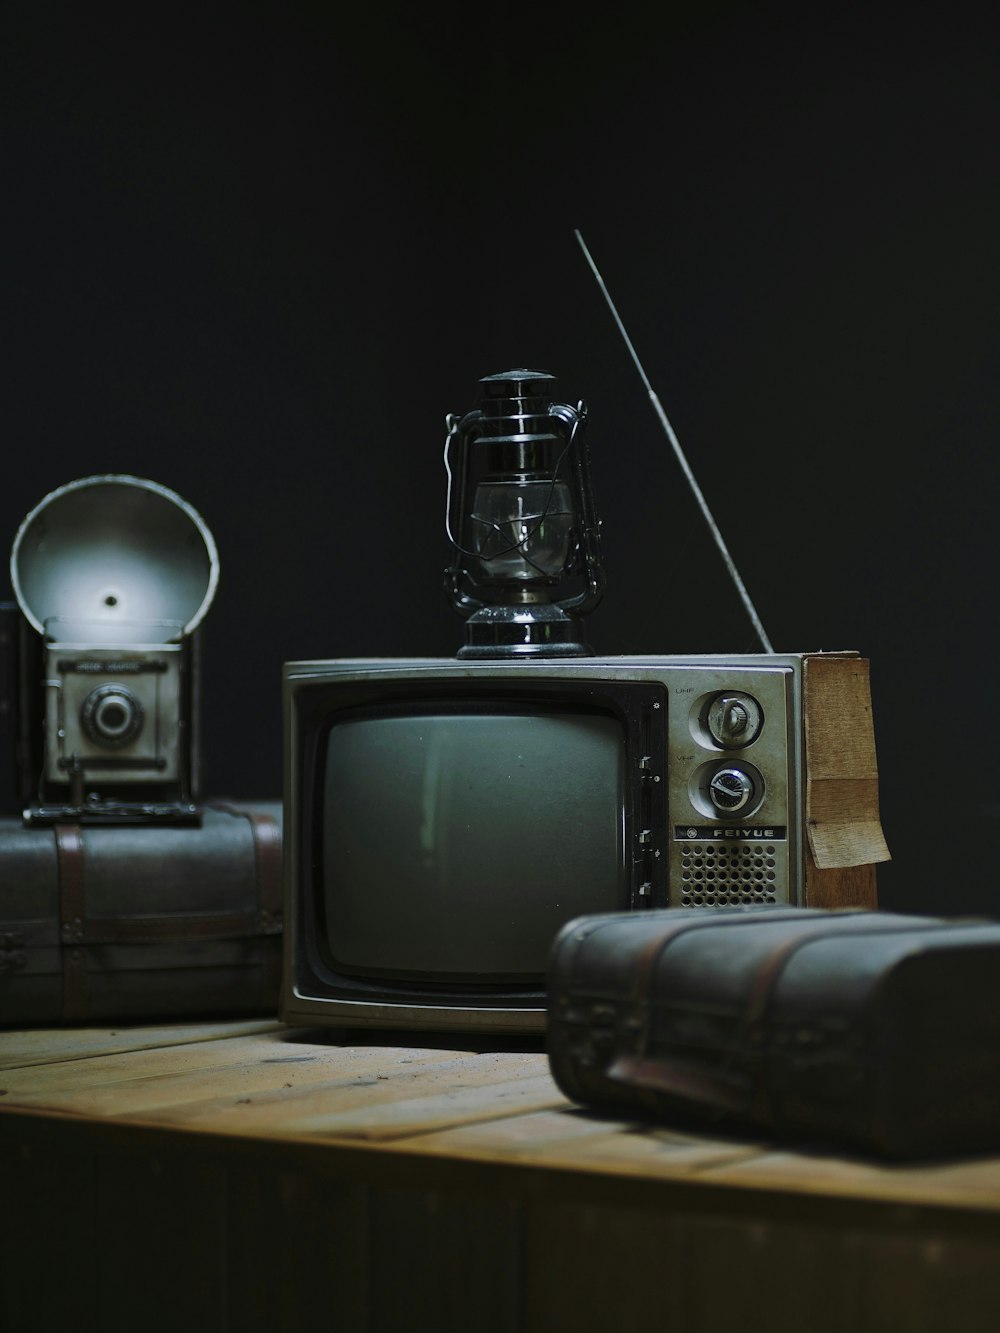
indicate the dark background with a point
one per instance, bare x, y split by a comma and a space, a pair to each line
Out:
257, 253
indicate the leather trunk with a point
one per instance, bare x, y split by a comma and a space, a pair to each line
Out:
141, 922
866, 1030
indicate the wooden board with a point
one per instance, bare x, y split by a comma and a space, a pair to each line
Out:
493, 1104
20, 1048
248, 1176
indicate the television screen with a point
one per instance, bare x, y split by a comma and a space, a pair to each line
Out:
457, 840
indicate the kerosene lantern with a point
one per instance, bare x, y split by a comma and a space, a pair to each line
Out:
520, 515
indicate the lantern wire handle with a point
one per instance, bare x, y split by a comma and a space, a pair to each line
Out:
679, 453
451, 421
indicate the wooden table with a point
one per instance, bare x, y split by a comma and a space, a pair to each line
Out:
250, 1177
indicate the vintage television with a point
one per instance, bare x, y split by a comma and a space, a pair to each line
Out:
444, 818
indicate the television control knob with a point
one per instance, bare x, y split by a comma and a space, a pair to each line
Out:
731, 790
734, 719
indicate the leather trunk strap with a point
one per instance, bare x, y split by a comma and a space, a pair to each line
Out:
170, 929
266, 832
755, 1022
267, 846
716, 1089
72, 913
723, 1090
646, 961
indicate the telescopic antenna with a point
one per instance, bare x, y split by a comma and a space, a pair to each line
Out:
679, 452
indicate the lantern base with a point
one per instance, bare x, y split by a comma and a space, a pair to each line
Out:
542, 630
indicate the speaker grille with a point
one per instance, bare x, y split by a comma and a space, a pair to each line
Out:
710, 875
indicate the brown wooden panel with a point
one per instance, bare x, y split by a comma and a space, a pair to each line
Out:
161, 1229
296, 1252
635, 1270
929, 1282
846, 886
641, 1270
49, 1246
446, 1262
440, 1196
593, 1269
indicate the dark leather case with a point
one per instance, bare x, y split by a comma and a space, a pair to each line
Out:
868, 1030
140, 922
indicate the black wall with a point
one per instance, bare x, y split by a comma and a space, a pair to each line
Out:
256, 254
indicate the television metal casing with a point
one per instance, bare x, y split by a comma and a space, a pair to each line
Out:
673, 846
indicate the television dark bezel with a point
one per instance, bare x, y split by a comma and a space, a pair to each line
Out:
640, 707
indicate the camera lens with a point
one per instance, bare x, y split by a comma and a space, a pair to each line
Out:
111, 716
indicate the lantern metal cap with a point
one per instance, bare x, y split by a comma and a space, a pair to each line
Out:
519, 388
507, 376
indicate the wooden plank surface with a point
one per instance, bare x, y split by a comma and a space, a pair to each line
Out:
573, 1140
35, 1046
471, 1102
248, 1177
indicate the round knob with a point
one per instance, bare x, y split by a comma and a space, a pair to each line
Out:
734, 719
111, 716
731, 790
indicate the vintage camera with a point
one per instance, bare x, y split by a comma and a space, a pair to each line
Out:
113, 575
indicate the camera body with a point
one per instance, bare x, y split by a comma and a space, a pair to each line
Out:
108, 733
113, 575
